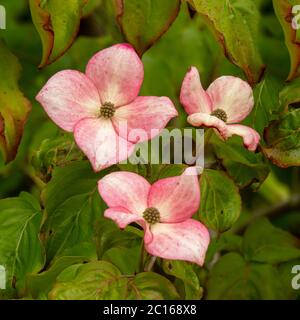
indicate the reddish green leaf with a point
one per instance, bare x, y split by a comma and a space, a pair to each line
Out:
290, 94
57, 23
235, 24
101, 280
283, 10
14, 107
283, 140
144, 22
220, 200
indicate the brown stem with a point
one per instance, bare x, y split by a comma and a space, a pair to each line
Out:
273, 211
151, 264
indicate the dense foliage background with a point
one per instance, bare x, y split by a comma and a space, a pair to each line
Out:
54, 241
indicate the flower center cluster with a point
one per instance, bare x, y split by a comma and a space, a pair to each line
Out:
151, 215
220, 113
107, 110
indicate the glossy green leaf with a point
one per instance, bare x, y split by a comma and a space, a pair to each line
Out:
74, 208
267, 244
39, 285
290, 94
232, 278
283, 10
167, 171
90, 6
100, 280
21, 252
151, 286
227, 242
283, 140
125, 259
144, 22
186, 273
244, 166
14, 107
57, 23
55, 152
109, 236
235, 24
266, 107
220, 200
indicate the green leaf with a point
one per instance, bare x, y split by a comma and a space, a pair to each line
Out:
191, 43
91, 5
21, 252
14, 107
235, 24
55, 152
151, 286
283, 11
232, 278
39, 285
173, 170
244, 166
265, 243
290, 94
266, 106
283, 140
186, 273
57, 23
91, 281
220, 200
100, 280
125, 259
227, 242
73, 207
110, 236
143, 23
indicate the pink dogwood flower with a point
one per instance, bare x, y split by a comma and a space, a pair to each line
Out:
227, 101
164, 210
94, 105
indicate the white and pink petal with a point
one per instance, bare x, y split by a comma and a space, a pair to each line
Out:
233, 95
250, 137
118, 74
206, 120
99, 141
187, 241
176, 198
125, 189
146, 114
192, 95
122, 217
68, 97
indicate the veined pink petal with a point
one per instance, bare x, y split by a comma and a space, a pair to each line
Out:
176, 198
122, 217
68, 97
206, 120
187, 241
145, 113
100, 143
125, 189
233, 95
250, 136
118, 74
192, 96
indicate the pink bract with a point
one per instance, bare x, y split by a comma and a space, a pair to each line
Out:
94, 105
174, 235
227, 101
